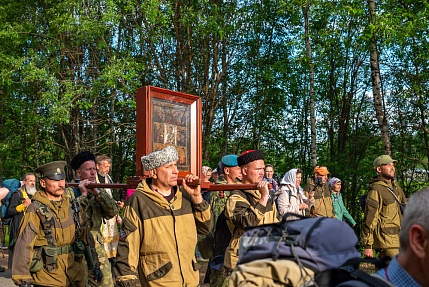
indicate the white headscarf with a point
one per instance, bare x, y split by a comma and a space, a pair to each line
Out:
290, 179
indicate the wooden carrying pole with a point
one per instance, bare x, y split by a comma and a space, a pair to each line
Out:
133, 181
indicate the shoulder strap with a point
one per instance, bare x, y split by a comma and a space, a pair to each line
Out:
352, 268
48, 221
394, 195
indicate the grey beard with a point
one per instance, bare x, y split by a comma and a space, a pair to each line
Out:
30, 190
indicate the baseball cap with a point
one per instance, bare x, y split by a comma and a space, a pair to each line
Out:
383, 159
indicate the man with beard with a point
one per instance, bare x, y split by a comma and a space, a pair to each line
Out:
19, 202
109, 228
98, 205
382, 216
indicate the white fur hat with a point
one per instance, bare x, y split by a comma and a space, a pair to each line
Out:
159, 158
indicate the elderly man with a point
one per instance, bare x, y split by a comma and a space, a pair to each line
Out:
247, 208
19, 202
98, 205
158, 235
322, 194
382, 216
46, 252
408, 268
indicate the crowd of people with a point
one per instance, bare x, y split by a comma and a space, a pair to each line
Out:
62, 236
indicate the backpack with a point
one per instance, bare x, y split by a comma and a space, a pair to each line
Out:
12, 185
326, 246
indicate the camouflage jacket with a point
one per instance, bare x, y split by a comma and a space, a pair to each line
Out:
55, 253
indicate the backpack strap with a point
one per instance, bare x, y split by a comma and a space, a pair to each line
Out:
351, 267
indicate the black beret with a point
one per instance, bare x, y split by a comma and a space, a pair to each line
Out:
249, 156
80, 158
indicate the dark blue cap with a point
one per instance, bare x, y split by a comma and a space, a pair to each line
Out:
230, 160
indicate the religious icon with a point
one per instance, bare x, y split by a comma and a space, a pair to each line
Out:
166, 118
170, 134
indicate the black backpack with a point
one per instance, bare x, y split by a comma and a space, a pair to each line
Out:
327, 246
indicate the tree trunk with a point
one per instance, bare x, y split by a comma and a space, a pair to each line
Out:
376, 83
313, 150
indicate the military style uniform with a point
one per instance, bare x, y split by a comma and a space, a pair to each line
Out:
243, 210
322, 199
45, 251
158, 238
97, 208
382, 217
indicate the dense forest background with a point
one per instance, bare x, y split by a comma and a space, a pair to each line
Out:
333, 83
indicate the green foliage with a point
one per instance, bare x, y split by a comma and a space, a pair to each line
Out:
69, 71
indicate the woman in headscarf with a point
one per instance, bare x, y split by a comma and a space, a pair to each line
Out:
290, 196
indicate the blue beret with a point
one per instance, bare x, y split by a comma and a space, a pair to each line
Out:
230, 160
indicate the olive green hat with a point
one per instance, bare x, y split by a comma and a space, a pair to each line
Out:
383, 159
52, 170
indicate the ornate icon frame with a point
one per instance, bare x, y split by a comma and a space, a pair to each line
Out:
166, 117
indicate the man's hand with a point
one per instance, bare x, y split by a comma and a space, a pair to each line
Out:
27, 202
119, 220
302, 206
84, 190
368, 253
194, 192
265, 192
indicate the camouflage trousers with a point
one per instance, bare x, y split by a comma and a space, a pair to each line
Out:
105, 268
220, 278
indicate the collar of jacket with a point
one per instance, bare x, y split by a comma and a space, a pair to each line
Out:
144, 187
383, 181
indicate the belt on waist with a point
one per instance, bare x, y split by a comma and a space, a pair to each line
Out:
63, 249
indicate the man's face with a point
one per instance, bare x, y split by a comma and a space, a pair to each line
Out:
387, 170
87, 170
269, 172
54, 188
166, 175
253, 172
232, 173
324, 178
215, 176
30, 181
104, 167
